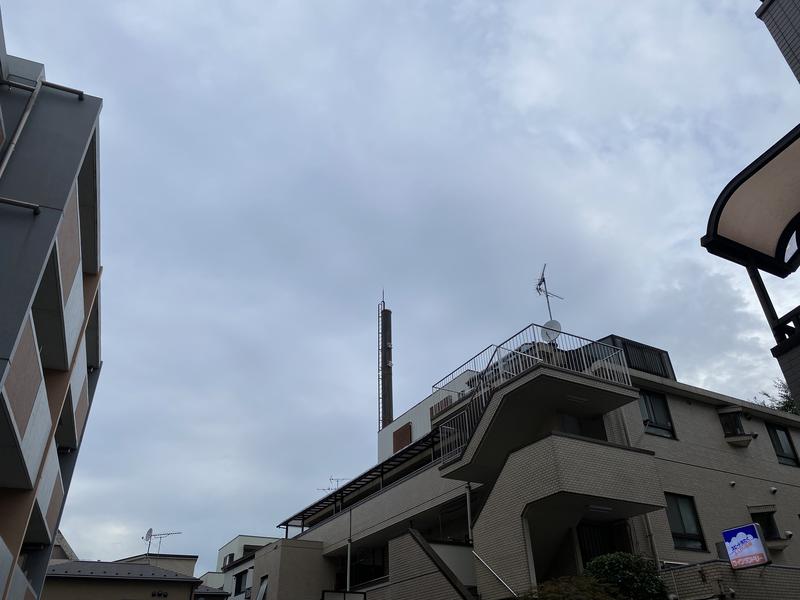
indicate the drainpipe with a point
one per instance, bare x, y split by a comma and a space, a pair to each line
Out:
349, 540
469, 512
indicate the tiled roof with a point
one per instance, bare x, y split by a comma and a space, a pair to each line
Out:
111, 570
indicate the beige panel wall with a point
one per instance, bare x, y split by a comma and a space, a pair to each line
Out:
401, 501
24, 377
98, 589
297, 570
700, 463
68, 241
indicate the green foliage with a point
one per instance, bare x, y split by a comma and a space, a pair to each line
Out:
781, 398
635, 577
574, 588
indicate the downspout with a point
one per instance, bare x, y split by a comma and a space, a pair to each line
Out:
349, 542
469, 512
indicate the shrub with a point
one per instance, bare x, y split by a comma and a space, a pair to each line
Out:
573, 588
635, 577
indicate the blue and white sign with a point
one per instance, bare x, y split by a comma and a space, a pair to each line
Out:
745, 546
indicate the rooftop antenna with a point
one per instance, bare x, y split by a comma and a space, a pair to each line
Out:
150, 536
385, 402
552, 329
336, 483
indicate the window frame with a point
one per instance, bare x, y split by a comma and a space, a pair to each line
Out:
682, 536
770, 527
651, 424
739, 425
240, 578
784, 459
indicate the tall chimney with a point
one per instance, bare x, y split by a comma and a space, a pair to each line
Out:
385, 404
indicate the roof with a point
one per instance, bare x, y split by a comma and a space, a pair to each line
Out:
755, 220
204, 590
89, 569
421, 445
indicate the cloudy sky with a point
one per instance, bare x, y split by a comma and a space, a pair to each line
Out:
269, 166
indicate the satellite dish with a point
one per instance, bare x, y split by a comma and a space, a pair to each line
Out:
148, 535
551, 330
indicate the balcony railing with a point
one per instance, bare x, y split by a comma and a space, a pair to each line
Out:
475, 381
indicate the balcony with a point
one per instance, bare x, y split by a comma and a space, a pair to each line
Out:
575, 496
523, 383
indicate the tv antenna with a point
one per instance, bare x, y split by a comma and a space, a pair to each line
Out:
552, 329
150, 536
336, 483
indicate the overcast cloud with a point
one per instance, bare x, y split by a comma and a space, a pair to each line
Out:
269, 167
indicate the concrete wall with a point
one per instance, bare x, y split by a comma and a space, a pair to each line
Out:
401, 501
237, 544
297, 570
74, 588
460, 561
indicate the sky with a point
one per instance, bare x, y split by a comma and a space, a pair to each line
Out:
269, 167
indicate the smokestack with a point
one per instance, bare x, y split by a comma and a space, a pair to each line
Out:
385, 404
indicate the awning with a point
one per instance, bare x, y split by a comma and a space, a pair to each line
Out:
756, 218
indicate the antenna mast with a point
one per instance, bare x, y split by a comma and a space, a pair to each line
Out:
541, 289
150, 536
385, 403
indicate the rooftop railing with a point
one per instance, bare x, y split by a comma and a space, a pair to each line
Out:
475, 381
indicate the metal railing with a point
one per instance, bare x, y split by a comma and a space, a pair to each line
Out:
475, 380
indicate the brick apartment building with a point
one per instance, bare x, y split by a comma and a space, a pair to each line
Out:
536, 456
49, 308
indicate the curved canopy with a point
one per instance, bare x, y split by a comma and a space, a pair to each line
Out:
756, 218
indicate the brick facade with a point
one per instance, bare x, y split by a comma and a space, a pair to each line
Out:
716, 579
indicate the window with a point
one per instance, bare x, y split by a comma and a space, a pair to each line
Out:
262, 589
683, 521
227, 560
732, 424
591, 427
782, 443
768, 526
655, 414
240, 583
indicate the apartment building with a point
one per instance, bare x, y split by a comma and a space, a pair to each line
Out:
49, 308
534, 457
234, 572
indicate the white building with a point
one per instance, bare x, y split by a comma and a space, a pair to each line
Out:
234, 572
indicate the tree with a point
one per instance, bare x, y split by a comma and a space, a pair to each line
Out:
573, 588
781, 398
635, 577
